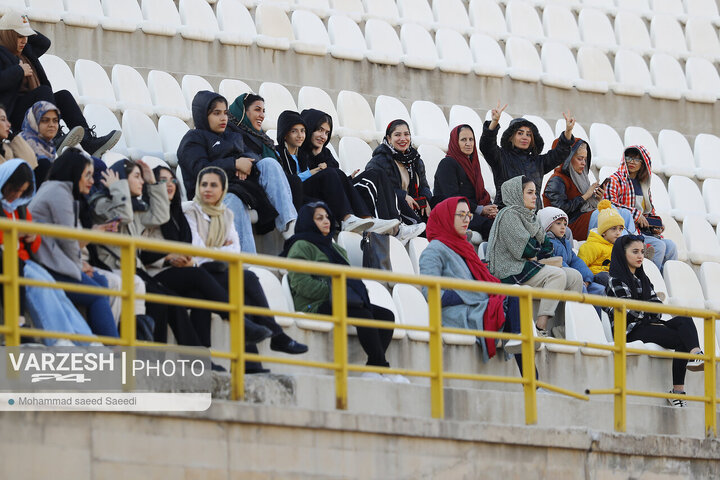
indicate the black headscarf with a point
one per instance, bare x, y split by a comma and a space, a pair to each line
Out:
177, 228
286, 121
408, 158
313, 119
69, 167
515, 125
619, 268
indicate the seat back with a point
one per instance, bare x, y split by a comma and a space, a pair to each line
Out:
522, 19
667, 34
354, 154
487, 17
277, 100
595, 29
171, 130
198, 14
560, 24
594, 65
141, 136
191, 85
631, 32
59, 74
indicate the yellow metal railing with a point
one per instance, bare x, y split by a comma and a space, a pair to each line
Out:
339, 274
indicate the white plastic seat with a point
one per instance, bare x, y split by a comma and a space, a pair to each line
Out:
415, 248
656, 278
578, 132
383, 44
486, 17
709, 277
559, 67
701, 241
523, 60
416, 11
605, 172
356, 118
702, 8
191, 85
673, 8
672, 230
632, 74
639, 136
431, 156
317, 98
321, 8
231, 88
669, 80
546, 132
582, 324
560, 25
607, 148
418, 47
105, 121
161, 17
661, 197
311, 36
48, 11
382, 10
595, 70
59, 74
412, 310
640, 7
93, 84
399, 258
523, 21
429, 124
83, 13
702, 40
235, 22
351, 242
703, 80
460, 114
705, 151
711, 196
452, 14
595, 30
277, 99
347, 41
198, 21
677, 156
355, 153
488, 56
387, 109
141, 136
453, 51
667, 36
121, 15
315, 325
272, 287
631, 33
166, 95
350, 8
380, 296
171, 130
273, 27
130, 90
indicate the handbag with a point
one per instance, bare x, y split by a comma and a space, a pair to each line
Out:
376, 251
655, 226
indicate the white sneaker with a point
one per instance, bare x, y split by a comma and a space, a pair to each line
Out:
696, 365
374, 376
408, 232
396, 377
290, 230
677, 402
63, 342
356, 224
383, 226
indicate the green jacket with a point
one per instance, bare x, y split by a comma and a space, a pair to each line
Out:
310, 291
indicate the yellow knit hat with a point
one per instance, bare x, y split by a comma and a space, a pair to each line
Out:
608, 217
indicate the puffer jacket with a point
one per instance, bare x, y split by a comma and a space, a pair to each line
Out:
596, 252
563, 247
382, 161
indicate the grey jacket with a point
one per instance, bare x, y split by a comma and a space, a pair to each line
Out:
54, 203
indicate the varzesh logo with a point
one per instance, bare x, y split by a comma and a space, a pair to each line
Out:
62, 366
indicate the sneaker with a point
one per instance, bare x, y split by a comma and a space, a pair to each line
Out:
356, 224
542, 333
696, 365
677, 402
95, 145
290, 230
408, 232
396, 377
69, 139
649, 252
374, 376
383, 226
558, 331
474, 237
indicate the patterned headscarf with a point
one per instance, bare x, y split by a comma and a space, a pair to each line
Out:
31, 129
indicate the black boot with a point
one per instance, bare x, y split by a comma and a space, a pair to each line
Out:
95, 145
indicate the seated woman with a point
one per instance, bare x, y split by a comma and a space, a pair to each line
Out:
71, 176
516, 242
628, 280
320, 180
211, 226
24, 82
49, 308
520, 151
629, 189
255, 181
311, 293
459, 174
15, 148
570, 190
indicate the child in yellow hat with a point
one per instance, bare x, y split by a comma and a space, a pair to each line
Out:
596, 251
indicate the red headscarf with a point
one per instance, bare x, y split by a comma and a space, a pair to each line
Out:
470, 165
441, 226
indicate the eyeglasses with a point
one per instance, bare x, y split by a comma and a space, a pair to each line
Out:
465, 216
166, 180
632, 160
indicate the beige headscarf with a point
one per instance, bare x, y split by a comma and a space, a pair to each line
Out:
214, 232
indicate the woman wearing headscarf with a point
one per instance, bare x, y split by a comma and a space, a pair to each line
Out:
628, 280
256, 181
520, 151
49, 308
517, 241
23, 82
311, 293
459, 174
211, 226
56, 202
570, 189
15, 148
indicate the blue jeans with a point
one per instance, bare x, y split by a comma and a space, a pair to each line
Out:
241, 218
277, 188
100, 316
49, 308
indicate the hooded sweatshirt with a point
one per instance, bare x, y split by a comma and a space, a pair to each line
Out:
291, 164
507, 161
620, 190
16, 210
313, 119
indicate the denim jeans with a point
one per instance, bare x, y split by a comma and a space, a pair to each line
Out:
277, 188
241, 218
100, 316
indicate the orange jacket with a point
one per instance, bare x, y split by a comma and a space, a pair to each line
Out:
22, 250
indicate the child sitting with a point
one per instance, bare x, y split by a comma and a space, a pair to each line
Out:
597, 250
554, 222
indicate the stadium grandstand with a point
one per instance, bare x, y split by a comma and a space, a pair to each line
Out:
624, 76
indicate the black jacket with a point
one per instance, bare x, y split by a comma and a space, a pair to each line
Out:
382, 161
509, 162
313, 118
11, 73
452, 181
286, 121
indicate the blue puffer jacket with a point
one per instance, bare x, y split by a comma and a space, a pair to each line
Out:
562, 247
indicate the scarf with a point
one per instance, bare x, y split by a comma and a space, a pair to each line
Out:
313, 119
471, 165
407, 159
581, 180
237, 116
215, 232
620, 271
177, 228
6, 170
514, 226
30, 129
441, 226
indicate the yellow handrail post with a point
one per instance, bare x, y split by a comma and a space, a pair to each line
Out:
528, 359
437, 400
236, 291
11, 291
709, 349
339, 306
128, 265
620, 362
